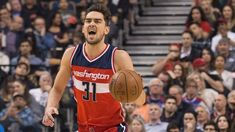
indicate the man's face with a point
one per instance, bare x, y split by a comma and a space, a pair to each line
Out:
220, 102
39, 24
209, 128
187, 40
95, 28
20, 102
175, 50
189, 119
202, 114
223, 48
156, 87
195, 29
25, 48
170, 105
130, 107
154, 111
191, 89
16, 6
21, 70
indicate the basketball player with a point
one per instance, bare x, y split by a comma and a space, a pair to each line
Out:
91, 66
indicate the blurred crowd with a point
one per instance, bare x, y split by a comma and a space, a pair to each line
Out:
193, 90
194, 87
33, 37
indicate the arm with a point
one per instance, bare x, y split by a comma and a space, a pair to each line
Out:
122, 60
217, 85
58, 88
159, 65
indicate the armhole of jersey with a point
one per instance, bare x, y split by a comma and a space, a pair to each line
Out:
112, 59
71, 58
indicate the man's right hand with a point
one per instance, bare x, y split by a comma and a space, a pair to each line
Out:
48, 119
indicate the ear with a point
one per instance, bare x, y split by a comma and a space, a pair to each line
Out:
107, 29
83, 29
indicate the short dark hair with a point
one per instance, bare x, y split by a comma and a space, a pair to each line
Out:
102, 9
211, 123
172, 125
170, 97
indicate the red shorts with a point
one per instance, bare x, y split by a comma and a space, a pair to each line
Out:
118, 128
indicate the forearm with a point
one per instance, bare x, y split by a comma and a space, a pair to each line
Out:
158, 66
215, 84
54, 97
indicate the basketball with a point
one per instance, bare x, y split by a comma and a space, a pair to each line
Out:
126, 86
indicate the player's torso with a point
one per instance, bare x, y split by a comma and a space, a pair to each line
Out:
91, 78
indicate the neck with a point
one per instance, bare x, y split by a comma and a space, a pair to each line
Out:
168, 114
155, 96
188, 96
153, 121
186, 48
223, 130
93, 50
221, 111
202, 122
220, 70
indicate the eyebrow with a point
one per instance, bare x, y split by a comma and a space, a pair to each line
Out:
99, 19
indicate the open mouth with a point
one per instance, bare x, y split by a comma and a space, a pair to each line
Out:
91, 32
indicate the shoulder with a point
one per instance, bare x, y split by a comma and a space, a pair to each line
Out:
122, 60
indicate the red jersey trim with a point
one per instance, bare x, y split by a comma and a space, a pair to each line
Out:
71, 58
92, 60
112, 60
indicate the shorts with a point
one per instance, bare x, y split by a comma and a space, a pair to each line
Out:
122, 127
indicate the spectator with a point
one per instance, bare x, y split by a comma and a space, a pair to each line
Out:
5, 17
130, 108
59, 31
168, 62
173, 127
210, 126
199, 41
212, 81
208, 95
155, 124
220, 107
43, 40
187, 50
177, 75
208, 56
4, 61
14, 36
169, 113
225, 75
231, 104
21, 88
41, 94
223, 50
203, 116
18, 117
212, 14
16, 7
30, 11
182, 106
223, 123
155, 92
191, 94
137, 124
197, 15
25, 49
223, 32
6, 94
190, 120
165, 78
229, 16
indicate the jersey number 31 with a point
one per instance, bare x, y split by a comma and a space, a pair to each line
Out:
87, 86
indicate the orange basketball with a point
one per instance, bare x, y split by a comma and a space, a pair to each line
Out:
126, 86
